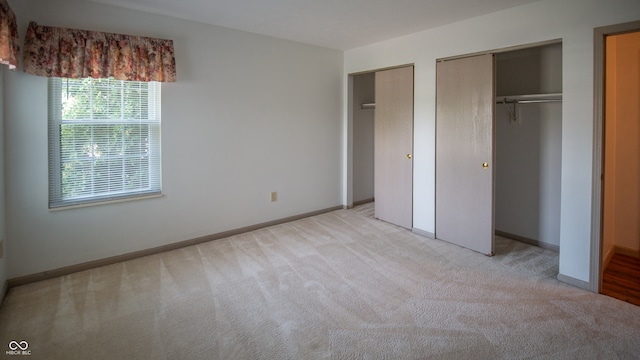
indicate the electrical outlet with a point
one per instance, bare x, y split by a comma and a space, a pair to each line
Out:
1, 248
274, 196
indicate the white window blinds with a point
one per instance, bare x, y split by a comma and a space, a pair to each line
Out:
104, 140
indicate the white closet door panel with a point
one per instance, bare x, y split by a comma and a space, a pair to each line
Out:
393, 168
465, 152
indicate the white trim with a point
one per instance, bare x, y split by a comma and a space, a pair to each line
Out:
573, 281
502, 50
49, 274
106, 202
151, 119
423, 233
526, 240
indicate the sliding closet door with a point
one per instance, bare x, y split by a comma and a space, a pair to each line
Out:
393, 165
464, 152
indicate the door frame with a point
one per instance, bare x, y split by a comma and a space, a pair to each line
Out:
348, 169
597, 193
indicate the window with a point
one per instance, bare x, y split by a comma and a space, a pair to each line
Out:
104, 140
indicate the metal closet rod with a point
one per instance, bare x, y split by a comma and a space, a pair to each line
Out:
505, 100
516, 101
525, 99
529, 99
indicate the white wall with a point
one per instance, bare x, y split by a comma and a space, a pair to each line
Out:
536, 70
571, 20
248, 115
3, 224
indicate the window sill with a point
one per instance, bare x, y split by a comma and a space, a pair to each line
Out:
105, 202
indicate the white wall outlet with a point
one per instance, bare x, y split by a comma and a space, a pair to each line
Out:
274, 196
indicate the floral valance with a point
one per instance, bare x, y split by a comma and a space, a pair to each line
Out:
59, 52
8, 36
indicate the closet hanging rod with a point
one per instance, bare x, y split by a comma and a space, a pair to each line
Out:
525, 99
515, 101
529, 99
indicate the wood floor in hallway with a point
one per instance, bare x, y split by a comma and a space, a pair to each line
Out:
621, 279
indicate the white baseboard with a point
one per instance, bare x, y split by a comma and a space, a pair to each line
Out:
423, 233
356, 203
574, 282
146, 252
526, 240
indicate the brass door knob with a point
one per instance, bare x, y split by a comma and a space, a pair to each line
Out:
409, 156
485, 165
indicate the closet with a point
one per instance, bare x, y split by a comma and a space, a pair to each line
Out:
498, 147
362, 117
528, 145
381, 114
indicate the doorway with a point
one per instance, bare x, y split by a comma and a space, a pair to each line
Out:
380, 143
616, 218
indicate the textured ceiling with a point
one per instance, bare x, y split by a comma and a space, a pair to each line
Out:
338, 24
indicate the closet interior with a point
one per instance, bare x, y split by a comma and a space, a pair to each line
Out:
363, 115
382, 142
528, 145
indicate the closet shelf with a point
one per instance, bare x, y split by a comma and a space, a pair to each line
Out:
529, 98
368, 106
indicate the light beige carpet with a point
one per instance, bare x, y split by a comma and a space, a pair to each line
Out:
340, 285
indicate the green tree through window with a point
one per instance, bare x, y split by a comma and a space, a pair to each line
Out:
105, 140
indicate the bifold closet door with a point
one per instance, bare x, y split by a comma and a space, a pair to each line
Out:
393, 146
465, 152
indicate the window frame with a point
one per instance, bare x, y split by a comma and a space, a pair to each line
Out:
56, 199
